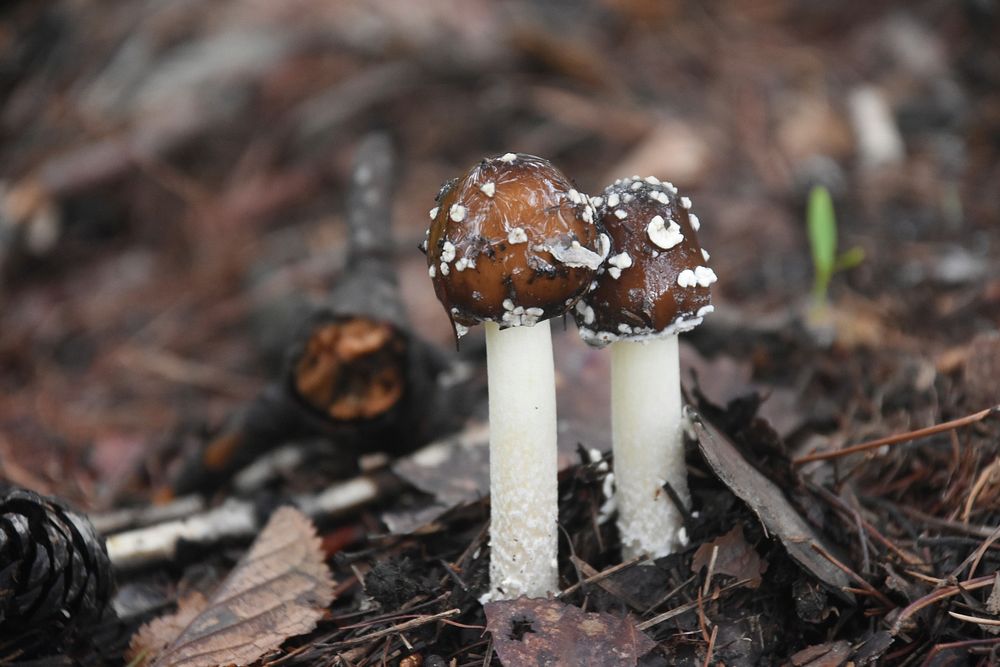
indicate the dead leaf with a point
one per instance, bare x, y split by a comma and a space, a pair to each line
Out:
279, 589
769, 504
831, 654
546, 632
735, 558
153, 637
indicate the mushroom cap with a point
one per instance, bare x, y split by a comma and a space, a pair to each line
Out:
512, 242
656, 280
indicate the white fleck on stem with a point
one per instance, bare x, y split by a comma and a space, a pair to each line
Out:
648, 444
523, 485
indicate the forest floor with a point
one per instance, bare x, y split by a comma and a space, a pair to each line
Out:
173, 188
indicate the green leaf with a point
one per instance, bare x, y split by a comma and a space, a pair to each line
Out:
850, 259
822, 228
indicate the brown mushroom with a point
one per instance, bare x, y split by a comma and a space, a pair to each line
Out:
512, 244
655, 285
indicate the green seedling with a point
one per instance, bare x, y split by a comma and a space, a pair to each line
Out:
822, 228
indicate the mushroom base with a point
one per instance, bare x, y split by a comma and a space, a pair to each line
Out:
648, 444
523, 483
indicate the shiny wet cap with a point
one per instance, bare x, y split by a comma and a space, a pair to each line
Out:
656, 279
512, 242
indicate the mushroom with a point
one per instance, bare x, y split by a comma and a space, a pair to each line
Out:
512, 244
654, 286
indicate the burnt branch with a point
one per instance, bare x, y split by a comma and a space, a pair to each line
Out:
354, 375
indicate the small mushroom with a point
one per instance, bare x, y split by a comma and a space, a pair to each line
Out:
655, 285
512, 244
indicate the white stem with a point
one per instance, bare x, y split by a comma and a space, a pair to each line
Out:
648, 445
523, 515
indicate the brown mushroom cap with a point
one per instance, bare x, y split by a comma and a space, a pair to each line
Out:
511, 242
656, 279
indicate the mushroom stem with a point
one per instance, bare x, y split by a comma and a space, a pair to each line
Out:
648, 445
523, 483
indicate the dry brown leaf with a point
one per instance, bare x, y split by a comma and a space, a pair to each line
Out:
153, 637
547, 632
736, 558
279, 589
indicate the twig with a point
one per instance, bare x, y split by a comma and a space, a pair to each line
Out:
408, 625
612, 588
940, 594
677, 589
684, 608
603, 574
488, 655
711, 646
969, 643
679, 505
863, 540
980, 551
989, 475
855, 576
418, 602
955, 526
935, 581
452, 574
238, 520
274, 465
844, 509
137, 517
711, 569
667, 615
975, 619
702, 620
899, 437
466, 626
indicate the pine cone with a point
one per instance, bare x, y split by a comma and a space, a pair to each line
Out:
54, 569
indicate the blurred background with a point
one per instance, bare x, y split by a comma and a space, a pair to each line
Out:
173, 173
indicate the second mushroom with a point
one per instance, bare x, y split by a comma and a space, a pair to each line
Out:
655, 285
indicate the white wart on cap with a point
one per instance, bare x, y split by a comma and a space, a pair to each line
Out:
657, 280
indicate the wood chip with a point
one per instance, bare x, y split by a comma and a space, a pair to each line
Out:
734, 558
